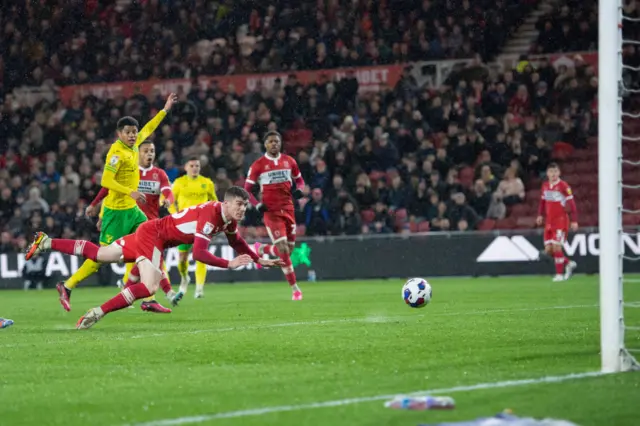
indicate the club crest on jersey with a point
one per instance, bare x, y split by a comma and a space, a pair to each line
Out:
114, 160
208, 228
286, 164
267, 167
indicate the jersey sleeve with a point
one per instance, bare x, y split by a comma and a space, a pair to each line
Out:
111, 167
165, 186
295, 170
205, 226
254, 173
150, 127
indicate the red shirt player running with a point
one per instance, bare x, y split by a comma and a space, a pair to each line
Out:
153, 183
557, 211
275, 172
195, 225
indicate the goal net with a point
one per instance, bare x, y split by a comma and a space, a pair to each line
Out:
619, 184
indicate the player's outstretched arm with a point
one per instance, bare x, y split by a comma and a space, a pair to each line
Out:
201, 254
153, 124
248, 186
92, 208
541, 206
298, 180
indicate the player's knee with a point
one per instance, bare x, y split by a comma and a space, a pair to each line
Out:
183, 256
549, 249
283, 247
557, 248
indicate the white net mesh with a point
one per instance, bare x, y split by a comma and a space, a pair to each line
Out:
629, 138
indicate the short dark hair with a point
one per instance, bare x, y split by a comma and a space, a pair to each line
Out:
127, 121
145, 142
553, 166
236, 192
192, 158
271, 133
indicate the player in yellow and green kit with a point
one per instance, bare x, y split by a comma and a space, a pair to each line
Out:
190, 190
120, 214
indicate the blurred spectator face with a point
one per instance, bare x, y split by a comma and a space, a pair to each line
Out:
380, 206
422, 186
463, 225
337, 181
479, 187
442, 208
348, 208
396, 182
316, 195
362, 180
458, 198
321, 166
434, 178
34, 193
5, 238
192, 168
500, 88
221, 174
485, 173
442, 154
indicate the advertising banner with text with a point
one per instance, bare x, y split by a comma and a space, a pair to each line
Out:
369, 78
428, 255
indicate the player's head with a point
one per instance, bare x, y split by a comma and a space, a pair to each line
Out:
553, 172
236, 200
273, 143
192, 167
147, 154
127, 130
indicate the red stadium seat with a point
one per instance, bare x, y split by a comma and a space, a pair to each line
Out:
413, 227
424, 226
562, 151
367, 216
526, 222
508, 223
486, 225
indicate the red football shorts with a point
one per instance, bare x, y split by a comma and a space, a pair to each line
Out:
145, 243
555, 233
281, 226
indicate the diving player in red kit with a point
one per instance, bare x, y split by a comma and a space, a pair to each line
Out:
195, 225
275, 172
558, 212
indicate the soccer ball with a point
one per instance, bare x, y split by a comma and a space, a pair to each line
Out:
416, 293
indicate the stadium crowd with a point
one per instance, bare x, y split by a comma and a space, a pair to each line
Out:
74, 42
403, 159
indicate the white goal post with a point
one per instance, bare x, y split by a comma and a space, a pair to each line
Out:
614, 355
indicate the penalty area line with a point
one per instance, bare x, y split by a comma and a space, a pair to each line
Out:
350, 401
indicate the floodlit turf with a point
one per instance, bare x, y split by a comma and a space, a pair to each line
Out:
246, 346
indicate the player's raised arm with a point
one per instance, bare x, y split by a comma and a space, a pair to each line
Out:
153, 124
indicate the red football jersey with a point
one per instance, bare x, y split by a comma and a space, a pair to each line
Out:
202, 221
152, 182
554, 200
275, 176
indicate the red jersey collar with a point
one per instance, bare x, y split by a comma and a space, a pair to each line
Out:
224, 218
270, 158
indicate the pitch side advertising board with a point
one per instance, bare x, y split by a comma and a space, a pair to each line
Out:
431, 255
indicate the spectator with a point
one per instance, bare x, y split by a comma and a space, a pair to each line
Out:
382, 220
440, 222
461, 216
317, 219
363, 193
511, 189
348, 222
34, 203
480, 198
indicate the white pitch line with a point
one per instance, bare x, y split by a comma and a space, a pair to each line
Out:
351, 401
371, 319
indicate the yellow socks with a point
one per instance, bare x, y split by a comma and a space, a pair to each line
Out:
88, 268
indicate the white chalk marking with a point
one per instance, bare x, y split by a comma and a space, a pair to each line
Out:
350, 401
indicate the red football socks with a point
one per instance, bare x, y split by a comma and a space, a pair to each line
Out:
560, 260
126, 298
76, 247
289, 273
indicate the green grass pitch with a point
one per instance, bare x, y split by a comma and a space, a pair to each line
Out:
249, 347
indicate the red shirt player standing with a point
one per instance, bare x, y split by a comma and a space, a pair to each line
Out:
275, 172
557, 211
195, 225
153, 183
